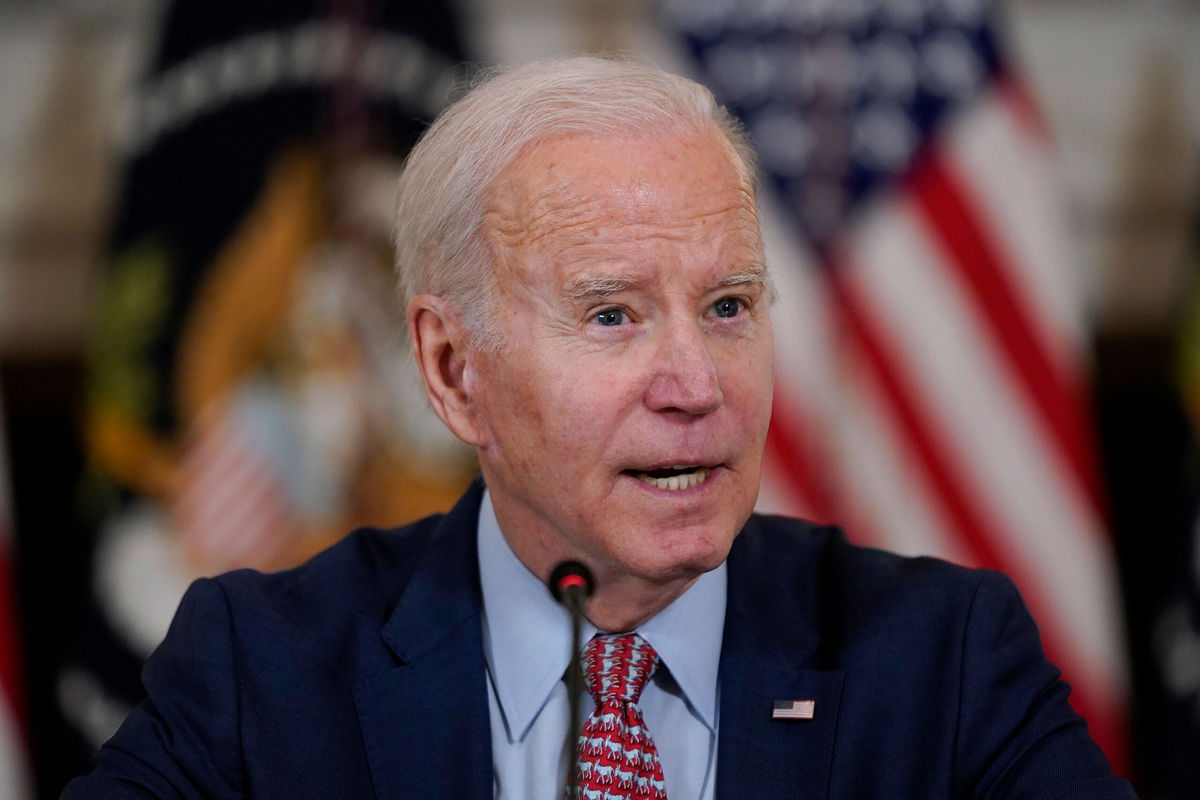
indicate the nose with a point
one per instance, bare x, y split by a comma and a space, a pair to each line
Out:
684, 374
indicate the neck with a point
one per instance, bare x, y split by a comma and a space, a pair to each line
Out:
622, 603
623, 598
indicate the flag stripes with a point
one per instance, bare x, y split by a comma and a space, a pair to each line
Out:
947, 414
953, 222
962, 410
791, 449
990, 473
231, 507
993, 147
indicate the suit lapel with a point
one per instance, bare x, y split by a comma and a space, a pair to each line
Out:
769, 654
421, 691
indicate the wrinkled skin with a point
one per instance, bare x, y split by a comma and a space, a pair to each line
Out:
637, 337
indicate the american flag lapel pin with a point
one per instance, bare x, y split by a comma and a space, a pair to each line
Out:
794, 709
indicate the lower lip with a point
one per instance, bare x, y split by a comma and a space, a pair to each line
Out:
689, 492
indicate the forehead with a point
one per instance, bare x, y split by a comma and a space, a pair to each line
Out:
616, 189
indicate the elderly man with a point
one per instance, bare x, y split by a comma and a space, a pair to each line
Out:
588, 305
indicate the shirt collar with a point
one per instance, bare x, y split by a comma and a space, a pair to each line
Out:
687, 637
527, 635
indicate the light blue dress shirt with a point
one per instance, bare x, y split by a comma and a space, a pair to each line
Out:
527, 643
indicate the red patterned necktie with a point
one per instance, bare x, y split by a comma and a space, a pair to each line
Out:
617, 758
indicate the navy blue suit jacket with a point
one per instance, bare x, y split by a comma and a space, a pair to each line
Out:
361, 675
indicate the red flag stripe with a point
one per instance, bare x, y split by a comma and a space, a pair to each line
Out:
1016, 97
922, 438
250, 524
215, 521
953, 223
216, 484
978, 535
794, 452
883, 478
968, 392
10, 663
1011, 176
230, 506
968, 395
1095, 703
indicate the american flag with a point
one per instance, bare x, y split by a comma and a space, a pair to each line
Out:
231, 504
794, 709
930, 387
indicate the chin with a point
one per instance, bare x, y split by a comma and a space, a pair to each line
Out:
686, 560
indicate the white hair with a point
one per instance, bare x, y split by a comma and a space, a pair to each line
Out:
440, 245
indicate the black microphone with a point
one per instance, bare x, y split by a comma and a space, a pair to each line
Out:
571, 584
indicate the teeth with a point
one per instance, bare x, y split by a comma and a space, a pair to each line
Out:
676, 482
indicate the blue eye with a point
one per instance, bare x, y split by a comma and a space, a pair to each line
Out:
727, 307
610, 317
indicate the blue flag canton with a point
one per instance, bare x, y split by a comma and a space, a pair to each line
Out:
838, 96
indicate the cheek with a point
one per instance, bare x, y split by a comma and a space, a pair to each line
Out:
534, 412
765, 387
762, 367
749, 379
576, 416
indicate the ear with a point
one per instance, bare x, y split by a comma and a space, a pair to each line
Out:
441, 346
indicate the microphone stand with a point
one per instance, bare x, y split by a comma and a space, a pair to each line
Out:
575, 602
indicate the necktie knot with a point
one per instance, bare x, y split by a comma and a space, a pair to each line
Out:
617, 667
617, 756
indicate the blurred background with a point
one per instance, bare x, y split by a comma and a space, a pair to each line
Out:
982, 221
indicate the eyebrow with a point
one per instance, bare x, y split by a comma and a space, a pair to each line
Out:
602, 286
756, 273
579, 288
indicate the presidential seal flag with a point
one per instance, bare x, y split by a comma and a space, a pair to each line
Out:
248, 395
930, 390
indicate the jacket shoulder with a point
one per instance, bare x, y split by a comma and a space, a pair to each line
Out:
854, 596
363, 574
942, 666
823, 553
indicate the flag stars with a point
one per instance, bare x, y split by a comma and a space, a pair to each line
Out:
884, 138
968, 13
906, 15
838, 96
838, 69
892, 65
783, 139
744, 69
951, 66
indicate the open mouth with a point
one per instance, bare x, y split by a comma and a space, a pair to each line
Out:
673, 478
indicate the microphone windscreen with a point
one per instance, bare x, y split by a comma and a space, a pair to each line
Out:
568, 575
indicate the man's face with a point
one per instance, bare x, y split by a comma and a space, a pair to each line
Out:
622, 421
